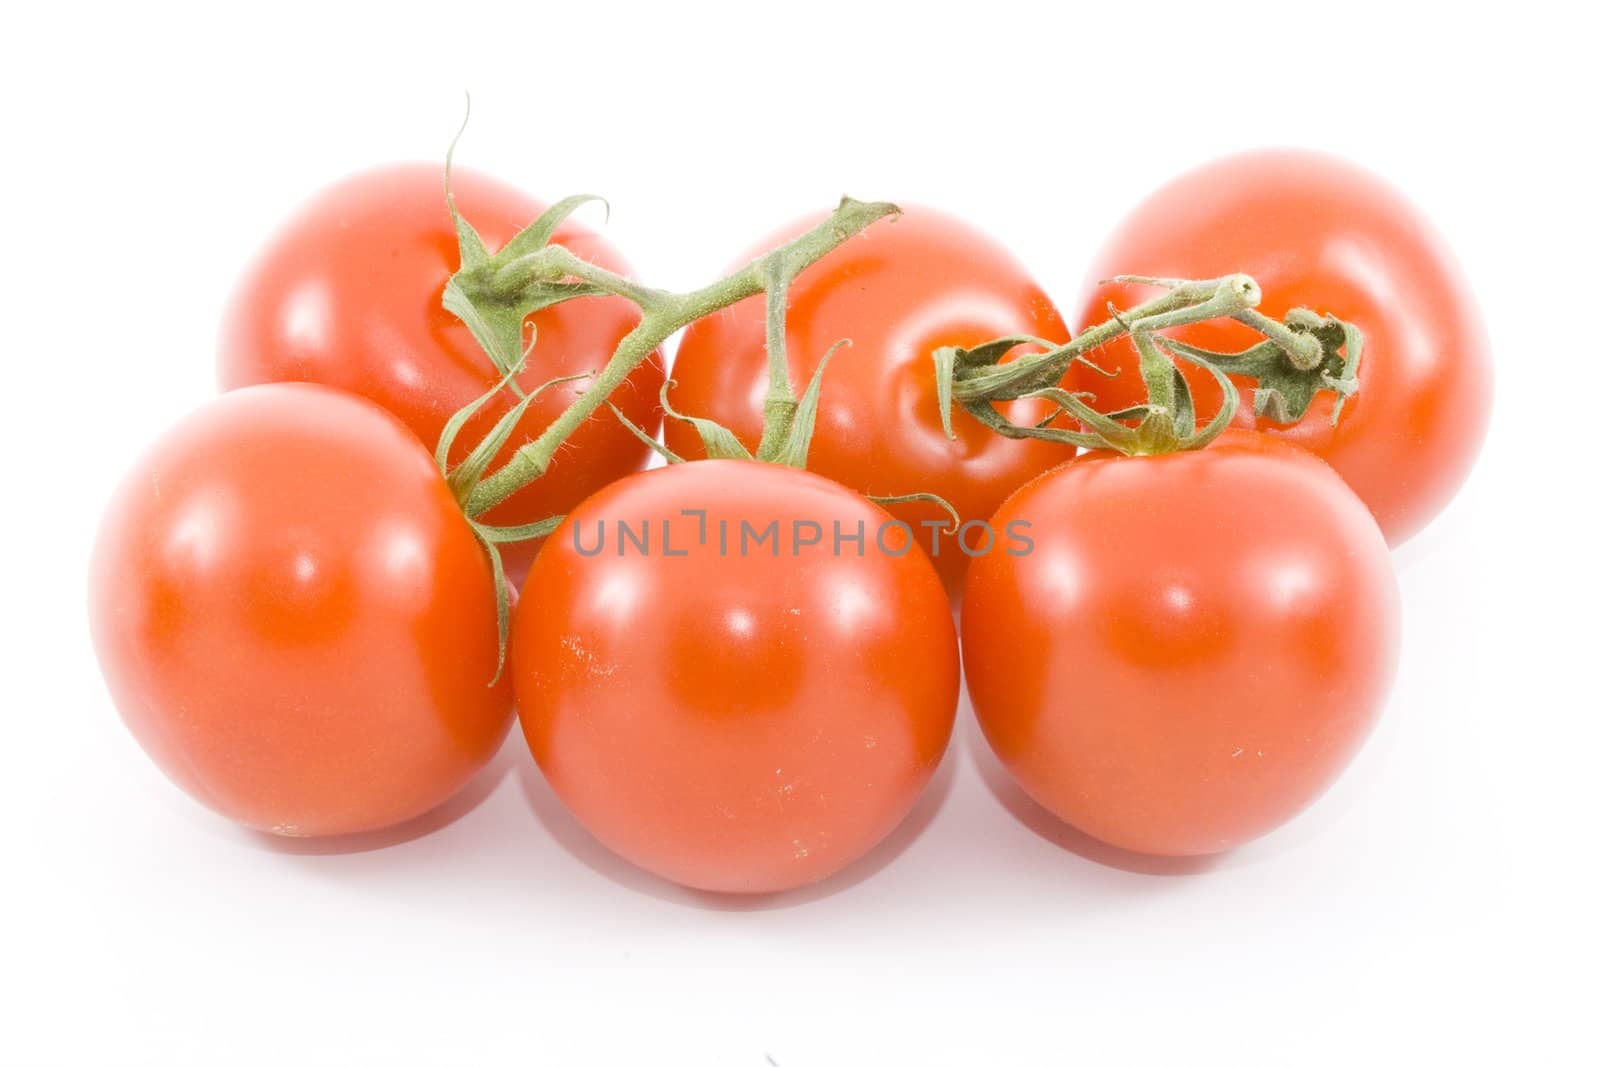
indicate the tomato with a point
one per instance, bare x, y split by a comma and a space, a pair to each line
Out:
897, 291
349, 294
745, 719
1193, 649
1317, 232
294, 618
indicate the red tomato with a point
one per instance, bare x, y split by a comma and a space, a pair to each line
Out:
1194, 648
1317, 232
294, 618
744, 720
897, 291
349, 292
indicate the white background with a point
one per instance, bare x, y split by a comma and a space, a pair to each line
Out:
1438, 901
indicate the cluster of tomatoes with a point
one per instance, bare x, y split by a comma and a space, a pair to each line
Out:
740, 669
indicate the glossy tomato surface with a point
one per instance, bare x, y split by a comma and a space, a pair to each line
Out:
348, 294
1195, 647
744, 719
1317, 232
898, 290
293, 617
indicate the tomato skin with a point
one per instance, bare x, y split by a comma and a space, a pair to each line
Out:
739, 722
897, 291
349, 294
293, 617
1318, 232
1193, 650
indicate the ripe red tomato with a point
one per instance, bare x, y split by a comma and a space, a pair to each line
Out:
348, 294
1194, 648
1317, 232
294, 618
748, 718
897, 291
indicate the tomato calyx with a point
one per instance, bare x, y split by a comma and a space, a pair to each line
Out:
794, 437
1285, 388
788, 423
1304, 354
493, 294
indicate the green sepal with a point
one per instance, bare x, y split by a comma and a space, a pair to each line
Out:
502, 602
528, 531
1182, 406
489, 330
1339, 373
944, 375
991, 353
538, 233
1008, 382
921, 498
473, 252
796, 444
638, 431
1104, 430
718, 440
986, 414
491, 538
1024, 375
1230, 394
464, 477
452, 428
1138, 411
1284, 391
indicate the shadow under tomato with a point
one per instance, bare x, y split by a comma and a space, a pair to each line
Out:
1041, 821
474, 793
567, 832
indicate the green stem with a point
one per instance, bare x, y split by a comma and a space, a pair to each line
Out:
1159, 374
554, 262
661, 315
1183, 303
1302, 348
780, 404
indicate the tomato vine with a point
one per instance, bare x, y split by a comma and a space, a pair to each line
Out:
1297, 357
494, 293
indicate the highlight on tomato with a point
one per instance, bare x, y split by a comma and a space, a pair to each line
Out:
1318, 232
897, 293
295, 619
723, 691
351, 292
